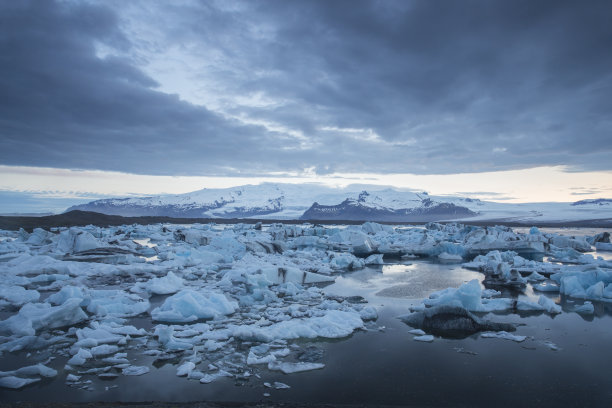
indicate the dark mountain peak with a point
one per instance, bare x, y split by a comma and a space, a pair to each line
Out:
596, 201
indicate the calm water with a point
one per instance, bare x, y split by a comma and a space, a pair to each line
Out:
383, 365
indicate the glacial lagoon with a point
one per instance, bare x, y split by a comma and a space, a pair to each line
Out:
563, 359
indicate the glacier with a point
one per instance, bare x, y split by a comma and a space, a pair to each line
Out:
312, 201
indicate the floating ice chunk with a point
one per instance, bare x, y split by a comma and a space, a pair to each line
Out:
445, 256
116, 303
550, 345
67, 292
103, 302
417, 332
195, 375
489, 293
290, 368
504, 335
165, 286
428, 338
40, 237
467, 295
72, 378
277, 275
281, 386
368, 313
228, 245
346, 261
185, 369
104, 350
359, 241
595, 291
99, 334
166, 338
571, 286
549, 305
135, 370
375, 259
80, 358
535, 277
16, 382
117, 359
33, 317
207, 379
75, 240
334, 324
587, 308
526, 306
603, 246
193, 236
546, 288
189, 305
37, 369
607, 293
17, 295
254, 359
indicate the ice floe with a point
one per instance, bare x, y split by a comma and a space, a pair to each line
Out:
229, 301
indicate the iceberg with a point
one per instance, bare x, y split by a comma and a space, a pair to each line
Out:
33, 317
451, 321
189, 305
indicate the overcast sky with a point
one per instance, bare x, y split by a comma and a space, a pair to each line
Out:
309, 88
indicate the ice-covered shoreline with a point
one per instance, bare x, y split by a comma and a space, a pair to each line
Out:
230, 301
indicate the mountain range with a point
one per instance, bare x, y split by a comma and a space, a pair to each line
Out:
354, 202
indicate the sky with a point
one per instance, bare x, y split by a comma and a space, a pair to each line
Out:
504, 100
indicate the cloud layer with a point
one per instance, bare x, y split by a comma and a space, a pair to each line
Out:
426, 87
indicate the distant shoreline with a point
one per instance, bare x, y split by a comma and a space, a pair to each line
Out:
82, 218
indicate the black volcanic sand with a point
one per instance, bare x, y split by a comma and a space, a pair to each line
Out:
81, 218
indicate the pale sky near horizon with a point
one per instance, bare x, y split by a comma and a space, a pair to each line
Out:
60, 188
497, 100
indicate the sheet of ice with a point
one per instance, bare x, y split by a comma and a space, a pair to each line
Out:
333, 324
135, 370
185, 369
428, 338
104, 350
17, 295
16, 382
167, 285
37, 369
503, 335
290, 368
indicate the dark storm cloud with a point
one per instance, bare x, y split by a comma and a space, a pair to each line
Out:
426, 87
62, 106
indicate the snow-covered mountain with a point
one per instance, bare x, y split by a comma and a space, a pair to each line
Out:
354, 202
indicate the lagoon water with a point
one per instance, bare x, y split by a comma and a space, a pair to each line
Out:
566, 359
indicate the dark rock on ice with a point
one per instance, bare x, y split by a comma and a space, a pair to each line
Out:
452, 321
